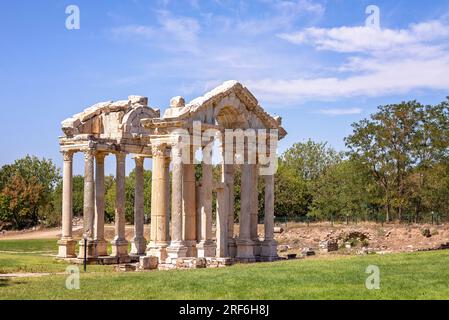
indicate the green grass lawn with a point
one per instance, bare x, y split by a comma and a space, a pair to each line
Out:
423, 275
40, 246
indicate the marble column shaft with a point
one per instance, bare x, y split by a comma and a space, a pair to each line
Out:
245, 199
66, 245
89, 207
222, 221
67, 195
119, 244
189, 207
99, 204
159, 204
120, 197
89, 195
177, 249
206, 202
138, 242
254, 202
269, 208
229, 181
176, 217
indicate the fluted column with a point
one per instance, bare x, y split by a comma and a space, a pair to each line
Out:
138, 244
269, 246
89, 206
159, 233
222, 222
255, 208
99, 205
244, 244
177, 248
66, 243
189, 207
229, 180
119, 244
206, 247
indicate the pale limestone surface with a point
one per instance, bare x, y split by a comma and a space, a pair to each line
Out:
180, 237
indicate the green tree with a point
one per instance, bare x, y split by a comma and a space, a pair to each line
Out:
384, 143
291, 193
345, 189
27, 188
299, 167
399, 144
310, 159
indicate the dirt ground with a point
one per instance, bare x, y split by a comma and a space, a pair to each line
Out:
362, 238
297, 237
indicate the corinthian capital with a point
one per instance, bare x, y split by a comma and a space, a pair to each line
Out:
158, 150
67, 155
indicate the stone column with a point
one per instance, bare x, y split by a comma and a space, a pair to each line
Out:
206, 247
158, 237
177, 248
99, 205
138, 244
269, 245
244, 244
189, 207
119, 244
89, 207
222, 222
229, 181
167, 199
255, 209
66, 243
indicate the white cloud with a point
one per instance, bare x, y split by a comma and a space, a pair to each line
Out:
135, 30
175, 33
340, 112
396, 77
282, 16
211, 48
380, 62
366, 39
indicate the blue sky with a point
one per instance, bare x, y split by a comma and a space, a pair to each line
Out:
314, 62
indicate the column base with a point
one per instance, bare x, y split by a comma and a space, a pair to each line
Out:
176, 250
66, 248
206, 249
245, 251
191, 248
257, 248
232, 247
138, 246
102, 247
91, 252
119, 248
158, 250
269, 250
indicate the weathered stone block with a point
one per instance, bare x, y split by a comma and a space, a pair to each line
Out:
148, 263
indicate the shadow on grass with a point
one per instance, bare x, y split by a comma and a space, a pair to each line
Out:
4, 282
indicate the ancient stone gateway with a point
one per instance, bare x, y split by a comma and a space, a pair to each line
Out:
181, 220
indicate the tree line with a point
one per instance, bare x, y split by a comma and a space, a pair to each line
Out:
396, 167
